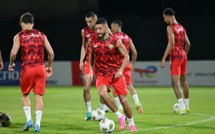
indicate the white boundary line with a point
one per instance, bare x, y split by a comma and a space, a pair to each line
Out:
179, 125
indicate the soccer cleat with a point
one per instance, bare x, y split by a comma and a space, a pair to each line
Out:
122, 122
182, 111
132, 128
139, 107
187, 109
28, 125
36, 128
88, 116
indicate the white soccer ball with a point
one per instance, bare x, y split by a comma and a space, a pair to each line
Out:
98, 114
5, 120
176, 107
107, 125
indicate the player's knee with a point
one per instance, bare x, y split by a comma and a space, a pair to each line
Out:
87, 88
123, 100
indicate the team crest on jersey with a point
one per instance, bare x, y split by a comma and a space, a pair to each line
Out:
110, 46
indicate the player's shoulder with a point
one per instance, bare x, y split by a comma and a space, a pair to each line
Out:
37, 30
85, 29
114, 37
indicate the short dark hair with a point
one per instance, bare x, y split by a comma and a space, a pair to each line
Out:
101, 21
118, 22
169, 11
91, 14
27, 18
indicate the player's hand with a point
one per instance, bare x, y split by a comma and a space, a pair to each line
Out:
11, 67
81, 66
132, 66
1, 65
118, 74
48, 71
162, 64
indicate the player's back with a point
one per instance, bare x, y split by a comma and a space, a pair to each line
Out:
124, 38
178, 51
31, 48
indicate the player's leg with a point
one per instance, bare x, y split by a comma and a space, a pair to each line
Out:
135, 98
26, 84
128, 79
39, 89
102, 85
38, 111
119, 86
86, 91
185, 85
103, 106
117, 102
175, 75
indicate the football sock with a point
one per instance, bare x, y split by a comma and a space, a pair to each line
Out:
38, 117
27, 111
131, 121
135, 97
88, 104
181, 103
102, 106
117, 101
186, 103
118, 114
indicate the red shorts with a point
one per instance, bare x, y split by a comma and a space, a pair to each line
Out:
178, 67
118, 84
128, 76
35, 78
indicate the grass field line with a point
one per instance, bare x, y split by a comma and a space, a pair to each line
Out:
211, 117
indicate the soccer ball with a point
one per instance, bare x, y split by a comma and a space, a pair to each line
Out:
5, 120
98, 114
107, 125
176, 107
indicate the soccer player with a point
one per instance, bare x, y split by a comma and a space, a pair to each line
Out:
106, 52
33, 73
177, 49
1, 62
86, 33
116, 27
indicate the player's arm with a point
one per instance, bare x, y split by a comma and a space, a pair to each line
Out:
83, 50
125, 61
1, 62
134, 53
50, 52
91, 60
169, 46
13, 52
187, 44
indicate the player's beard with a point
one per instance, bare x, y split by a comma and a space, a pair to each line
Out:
101, 35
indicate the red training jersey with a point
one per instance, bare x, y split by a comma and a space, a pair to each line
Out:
31, 48
178, 51
88, 33
125, 41
107, 58
124, 38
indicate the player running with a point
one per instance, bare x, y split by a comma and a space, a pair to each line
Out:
116, 27
106, 54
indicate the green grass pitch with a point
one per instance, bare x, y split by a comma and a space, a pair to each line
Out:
64, 111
